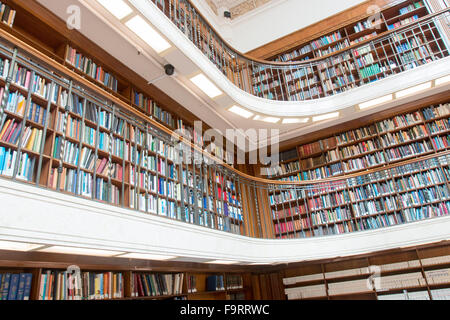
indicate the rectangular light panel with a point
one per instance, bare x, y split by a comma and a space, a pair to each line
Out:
412, 90
118, 8
241, 112
81, 251
146, 32
326, 116
204, 84
375, 102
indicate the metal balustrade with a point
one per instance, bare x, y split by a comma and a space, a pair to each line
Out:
395, 51
162, 174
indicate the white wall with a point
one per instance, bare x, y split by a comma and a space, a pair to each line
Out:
274, 20
34, 215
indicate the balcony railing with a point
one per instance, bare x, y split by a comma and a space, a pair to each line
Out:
67, 135
392, 52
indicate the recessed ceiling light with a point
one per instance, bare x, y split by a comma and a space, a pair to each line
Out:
222, 262
81, 251
295, 120
206, 85
146, 256
442, 80
415, 89
241, 112
326, 116
375, 102
117, 7
267, 119
144, 31
18, 246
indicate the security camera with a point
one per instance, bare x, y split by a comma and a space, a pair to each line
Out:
227, 14
170, 69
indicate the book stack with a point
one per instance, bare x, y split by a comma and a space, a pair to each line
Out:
405, 280
436, 260
148, 285
438, 276
7, 14
215, 283
416, 295
89, 67
400, 265
346, 273
15, 286
234, 282
62, 285
305, 278
349, 287
306, 292
441, 294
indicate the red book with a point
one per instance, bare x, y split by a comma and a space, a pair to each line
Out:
101, 166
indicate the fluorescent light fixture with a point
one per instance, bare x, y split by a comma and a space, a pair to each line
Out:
206, 85
295, 120
375, 102
267, 119
18, 246
222, 262
409, 91
241, 112
442, 80
117, 7
146, 256
326, 116
81, 251
146, 32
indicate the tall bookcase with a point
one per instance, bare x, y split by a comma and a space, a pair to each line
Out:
371, 201
57, 135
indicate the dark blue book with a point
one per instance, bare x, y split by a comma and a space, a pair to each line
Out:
20, 290
36, 114
5, 286
211, 283
13, 287
27, 287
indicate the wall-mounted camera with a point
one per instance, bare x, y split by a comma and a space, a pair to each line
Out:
227, 14
170, 69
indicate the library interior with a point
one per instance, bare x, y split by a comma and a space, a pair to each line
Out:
224, 150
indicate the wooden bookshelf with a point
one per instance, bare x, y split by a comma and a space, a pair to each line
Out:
399, 274
157, 280
346, 205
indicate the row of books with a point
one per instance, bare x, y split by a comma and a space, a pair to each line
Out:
89, 67
15, 286
156, 284
64, 285
411, 7
403, 22
7, 14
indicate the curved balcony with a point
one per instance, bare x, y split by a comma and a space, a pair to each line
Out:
395, 51
204, 192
